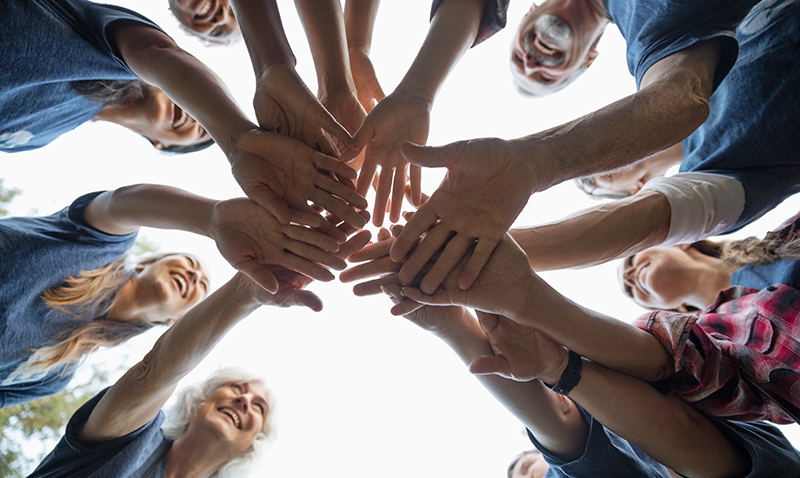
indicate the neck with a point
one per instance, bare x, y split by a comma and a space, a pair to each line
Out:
122, 114
193, 458
710, 281
127, 306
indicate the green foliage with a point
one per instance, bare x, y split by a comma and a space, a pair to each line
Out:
6, 196
41, 421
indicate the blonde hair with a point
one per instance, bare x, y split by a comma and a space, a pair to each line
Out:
775, 246
87, 296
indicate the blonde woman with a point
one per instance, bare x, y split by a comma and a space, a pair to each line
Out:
65, 288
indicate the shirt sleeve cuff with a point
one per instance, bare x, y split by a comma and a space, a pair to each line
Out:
702, 204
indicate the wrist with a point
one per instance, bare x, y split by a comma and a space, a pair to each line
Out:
535, 171
415, 93
563, 378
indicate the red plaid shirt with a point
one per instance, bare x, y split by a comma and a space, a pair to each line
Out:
740, 358
493, 18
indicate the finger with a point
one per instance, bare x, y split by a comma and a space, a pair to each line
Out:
415, 178
378, 267
405, 307
483, 251
384, 234
437, 298
430, 156
394, 292
349, 229
420, 222
382, 195
338, 208
315, 255
340, 190
487, 321
333, 232
301, 265
378, 93
333, 127
311, 236
354, 244
455, 250
306, 298
397, 194
327, 163
433, 241
374, 286
377, 250
267, 199
487, 365
259, 274
305, 219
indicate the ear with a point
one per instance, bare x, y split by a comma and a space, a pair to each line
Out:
591, 55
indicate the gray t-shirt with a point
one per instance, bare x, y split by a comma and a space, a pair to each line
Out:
38, 253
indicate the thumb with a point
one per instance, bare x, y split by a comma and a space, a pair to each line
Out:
428, 156
490, 364
306, 298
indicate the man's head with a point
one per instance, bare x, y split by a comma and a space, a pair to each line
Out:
554, 43
528, 464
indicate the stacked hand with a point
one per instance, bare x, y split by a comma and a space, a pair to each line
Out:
366, 82
285, 105
282, 175
397, 119
486, 187
348, 111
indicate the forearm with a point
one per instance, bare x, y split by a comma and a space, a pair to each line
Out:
324, 25
359, 20
666, 428
599, 234
602, 339
671, 104
156, 59
126, 209
451, 33
263, 33
138, 396
555, 422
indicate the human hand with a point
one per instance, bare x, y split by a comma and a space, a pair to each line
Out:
282, 175
285, 105
520, 353
369, 89
291, 283
398, 118
438, 320
486, 187
506, 285
346, 109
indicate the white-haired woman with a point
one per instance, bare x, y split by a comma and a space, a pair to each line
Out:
118, 433
65, 288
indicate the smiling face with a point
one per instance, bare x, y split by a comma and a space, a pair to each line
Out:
171, 285
660, 278
234, 414
211, 20
164, 123
553, 44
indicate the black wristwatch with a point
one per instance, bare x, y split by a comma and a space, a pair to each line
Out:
570, 377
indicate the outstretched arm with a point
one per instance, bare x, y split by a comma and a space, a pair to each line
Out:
599, 234
671, 104
359, 21
325, 28
404, 115
278, 173
665, 427
247, 235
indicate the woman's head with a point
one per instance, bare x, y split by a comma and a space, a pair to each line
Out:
165, 286
211, 20
146, 110
528, 464
232, 406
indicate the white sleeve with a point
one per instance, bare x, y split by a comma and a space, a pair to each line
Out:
703, 204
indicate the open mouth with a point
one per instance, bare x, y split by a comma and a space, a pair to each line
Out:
203, 9
181, 283
544, 53
233, 415
179, 117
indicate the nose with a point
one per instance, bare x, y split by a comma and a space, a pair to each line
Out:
223, 12
628, 273
243, 401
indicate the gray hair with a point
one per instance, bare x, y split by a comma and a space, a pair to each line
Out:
190, 399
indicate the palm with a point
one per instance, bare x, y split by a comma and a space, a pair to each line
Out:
394, 121
347, 110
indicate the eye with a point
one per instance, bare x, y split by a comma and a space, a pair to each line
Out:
546, 80
518, 57
260, 408
217, 32
236, 387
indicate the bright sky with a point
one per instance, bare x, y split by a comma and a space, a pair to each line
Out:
360, 393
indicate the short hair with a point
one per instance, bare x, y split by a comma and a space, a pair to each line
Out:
516, 460
189, 400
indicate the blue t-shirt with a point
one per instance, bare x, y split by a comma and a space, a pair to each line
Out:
608, 455
45, 45
655, 29
38, 253
123, 457
753, 131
